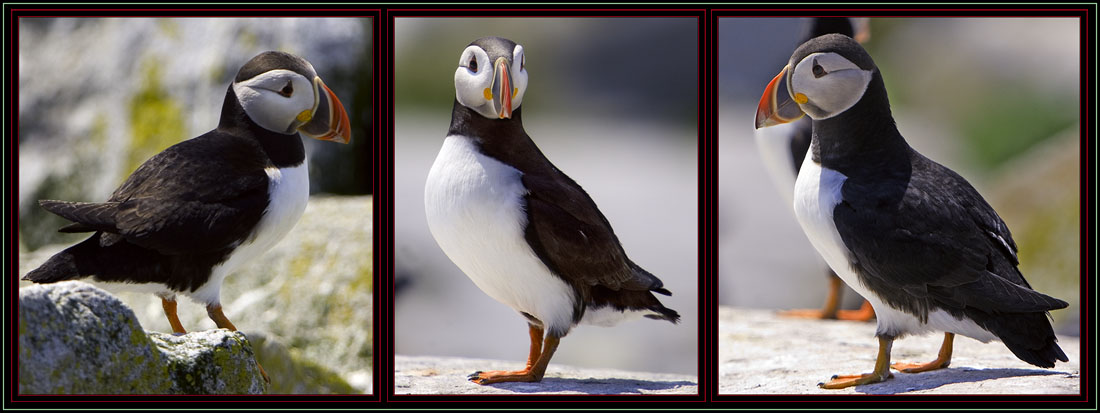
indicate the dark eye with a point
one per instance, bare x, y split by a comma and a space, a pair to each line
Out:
522, 62
818, 70
473, 64
287, 90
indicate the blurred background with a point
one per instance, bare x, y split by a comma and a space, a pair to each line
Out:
612, 102
99, 96
995, 99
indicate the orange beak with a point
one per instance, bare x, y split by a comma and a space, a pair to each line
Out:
329, 121
771, 113
502, 88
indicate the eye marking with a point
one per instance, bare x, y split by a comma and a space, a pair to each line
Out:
473, 64
818, 70
287, 90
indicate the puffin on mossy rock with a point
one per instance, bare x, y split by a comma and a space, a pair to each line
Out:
910, 235
192, 214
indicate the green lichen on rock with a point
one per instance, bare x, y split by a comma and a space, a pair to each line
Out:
77, 339
74, 342
210, 362
294, 373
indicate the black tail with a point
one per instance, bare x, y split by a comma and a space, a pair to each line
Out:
1028, 335
633, 300
665, 314
65, 265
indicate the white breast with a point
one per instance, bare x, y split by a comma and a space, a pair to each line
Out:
817, 192
475, 211
288, 189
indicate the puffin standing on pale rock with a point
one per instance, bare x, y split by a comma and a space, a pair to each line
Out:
911, 236
192, 214
522, 230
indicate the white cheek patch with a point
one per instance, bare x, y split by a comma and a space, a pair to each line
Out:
470, 86
519, 76
838, 90
260, 98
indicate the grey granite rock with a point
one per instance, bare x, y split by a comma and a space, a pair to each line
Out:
75, 338
761, 353
447, 375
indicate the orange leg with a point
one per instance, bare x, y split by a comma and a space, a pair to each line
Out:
832, 301
215, 313
881, 373
169, 306
941, 361
864, 313
831, 310
537, 360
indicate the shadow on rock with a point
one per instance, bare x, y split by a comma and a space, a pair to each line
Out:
903, 382
592, 386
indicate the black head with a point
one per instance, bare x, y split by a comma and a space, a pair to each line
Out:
282, 93
491, 77
268, 61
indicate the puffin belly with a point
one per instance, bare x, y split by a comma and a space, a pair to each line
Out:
476, 212
288, 193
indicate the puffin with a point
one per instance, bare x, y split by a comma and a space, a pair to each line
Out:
908, 234
783, 148
192, 214
524, 232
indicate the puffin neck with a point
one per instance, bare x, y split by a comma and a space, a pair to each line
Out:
283, 150
467, 122
501, 139
864, 136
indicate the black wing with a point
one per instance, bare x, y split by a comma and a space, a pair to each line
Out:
928, 236
574, 239
200, 195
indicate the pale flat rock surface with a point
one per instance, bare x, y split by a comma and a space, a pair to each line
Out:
447, 375
761, 353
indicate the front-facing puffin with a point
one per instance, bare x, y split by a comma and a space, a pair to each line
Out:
522, 230
911, 236
192, 214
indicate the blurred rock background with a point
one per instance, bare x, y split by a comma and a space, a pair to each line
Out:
98, 96
995, 99
612, 102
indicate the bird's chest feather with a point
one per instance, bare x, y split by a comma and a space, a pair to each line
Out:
816, 194
288, 193
476, 212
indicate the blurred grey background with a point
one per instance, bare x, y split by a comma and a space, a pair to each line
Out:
99, 96
612, 102
995, 99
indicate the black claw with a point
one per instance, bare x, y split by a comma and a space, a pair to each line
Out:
822, 384
835, 376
